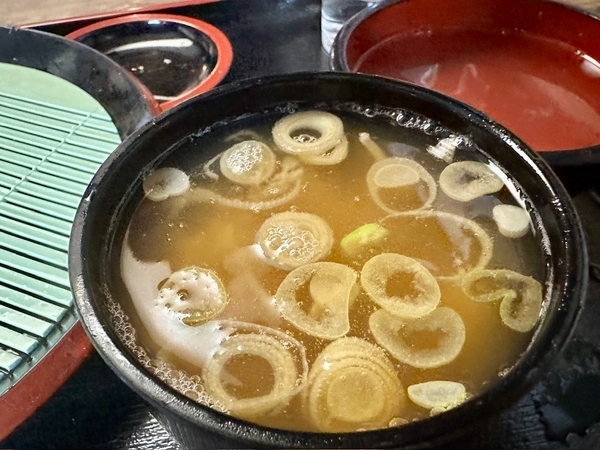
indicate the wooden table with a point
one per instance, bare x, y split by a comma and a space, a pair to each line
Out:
14, 13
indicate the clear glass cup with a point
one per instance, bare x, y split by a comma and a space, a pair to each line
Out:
335, 13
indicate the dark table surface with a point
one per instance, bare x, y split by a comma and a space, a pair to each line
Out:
95, 410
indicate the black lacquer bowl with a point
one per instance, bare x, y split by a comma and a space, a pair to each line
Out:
114, 192
127, 101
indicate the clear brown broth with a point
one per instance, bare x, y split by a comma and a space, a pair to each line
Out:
204, 234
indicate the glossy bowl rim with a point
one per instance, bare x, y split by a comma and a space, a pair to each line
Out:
571, 290
556, 158
219, 39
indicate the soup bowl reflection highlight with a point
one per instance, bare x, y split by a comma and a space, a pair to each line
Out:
355, 244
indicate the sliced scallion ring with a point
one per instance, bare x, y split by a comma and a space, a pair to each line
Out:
512, 221
194, 294
437, 394
466, 180
425, 343
401, 174
325, 312
352, 384
281, 353
248, 163
292, 239
165, 182
520, 296
417, 295
308, 132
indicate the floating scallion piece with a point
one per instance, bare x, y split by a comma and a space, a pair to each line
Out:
248, 163
512, 221
375, 150
466, 180
520, 296
364, 237
437, 395
323, 310
194, 294
334, 156
308, 132
391, 179
165, 182
282, 187
292, 239
225, 375
352, 385
425, 343
400, 285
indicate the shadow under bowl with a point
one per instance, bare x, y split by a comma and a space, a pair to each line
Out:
116, 190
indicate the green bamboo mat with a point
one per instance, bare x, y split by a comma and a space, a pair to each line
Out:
53, 138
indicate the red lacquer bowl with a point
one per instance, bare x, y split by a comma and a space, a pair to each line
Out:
176, 57
531, 65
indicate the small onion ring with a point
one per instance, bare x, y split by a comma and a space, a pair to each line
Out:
292, 239
330, 158
520, 296
165, 182
328, 126
378, 270
194, 294
248, 163
265, 346
513, 221
437, 394
388, 330
424, 177
377, 396
466, 180
332, 288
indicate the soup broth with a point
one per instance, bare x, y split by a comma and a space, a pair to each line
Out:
341, 284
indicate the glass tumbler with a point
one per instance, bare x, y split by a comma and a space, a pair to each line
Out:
335, 13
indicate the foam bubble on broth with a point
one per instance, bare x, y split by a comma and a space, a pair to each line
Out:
190, 386
215, 227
